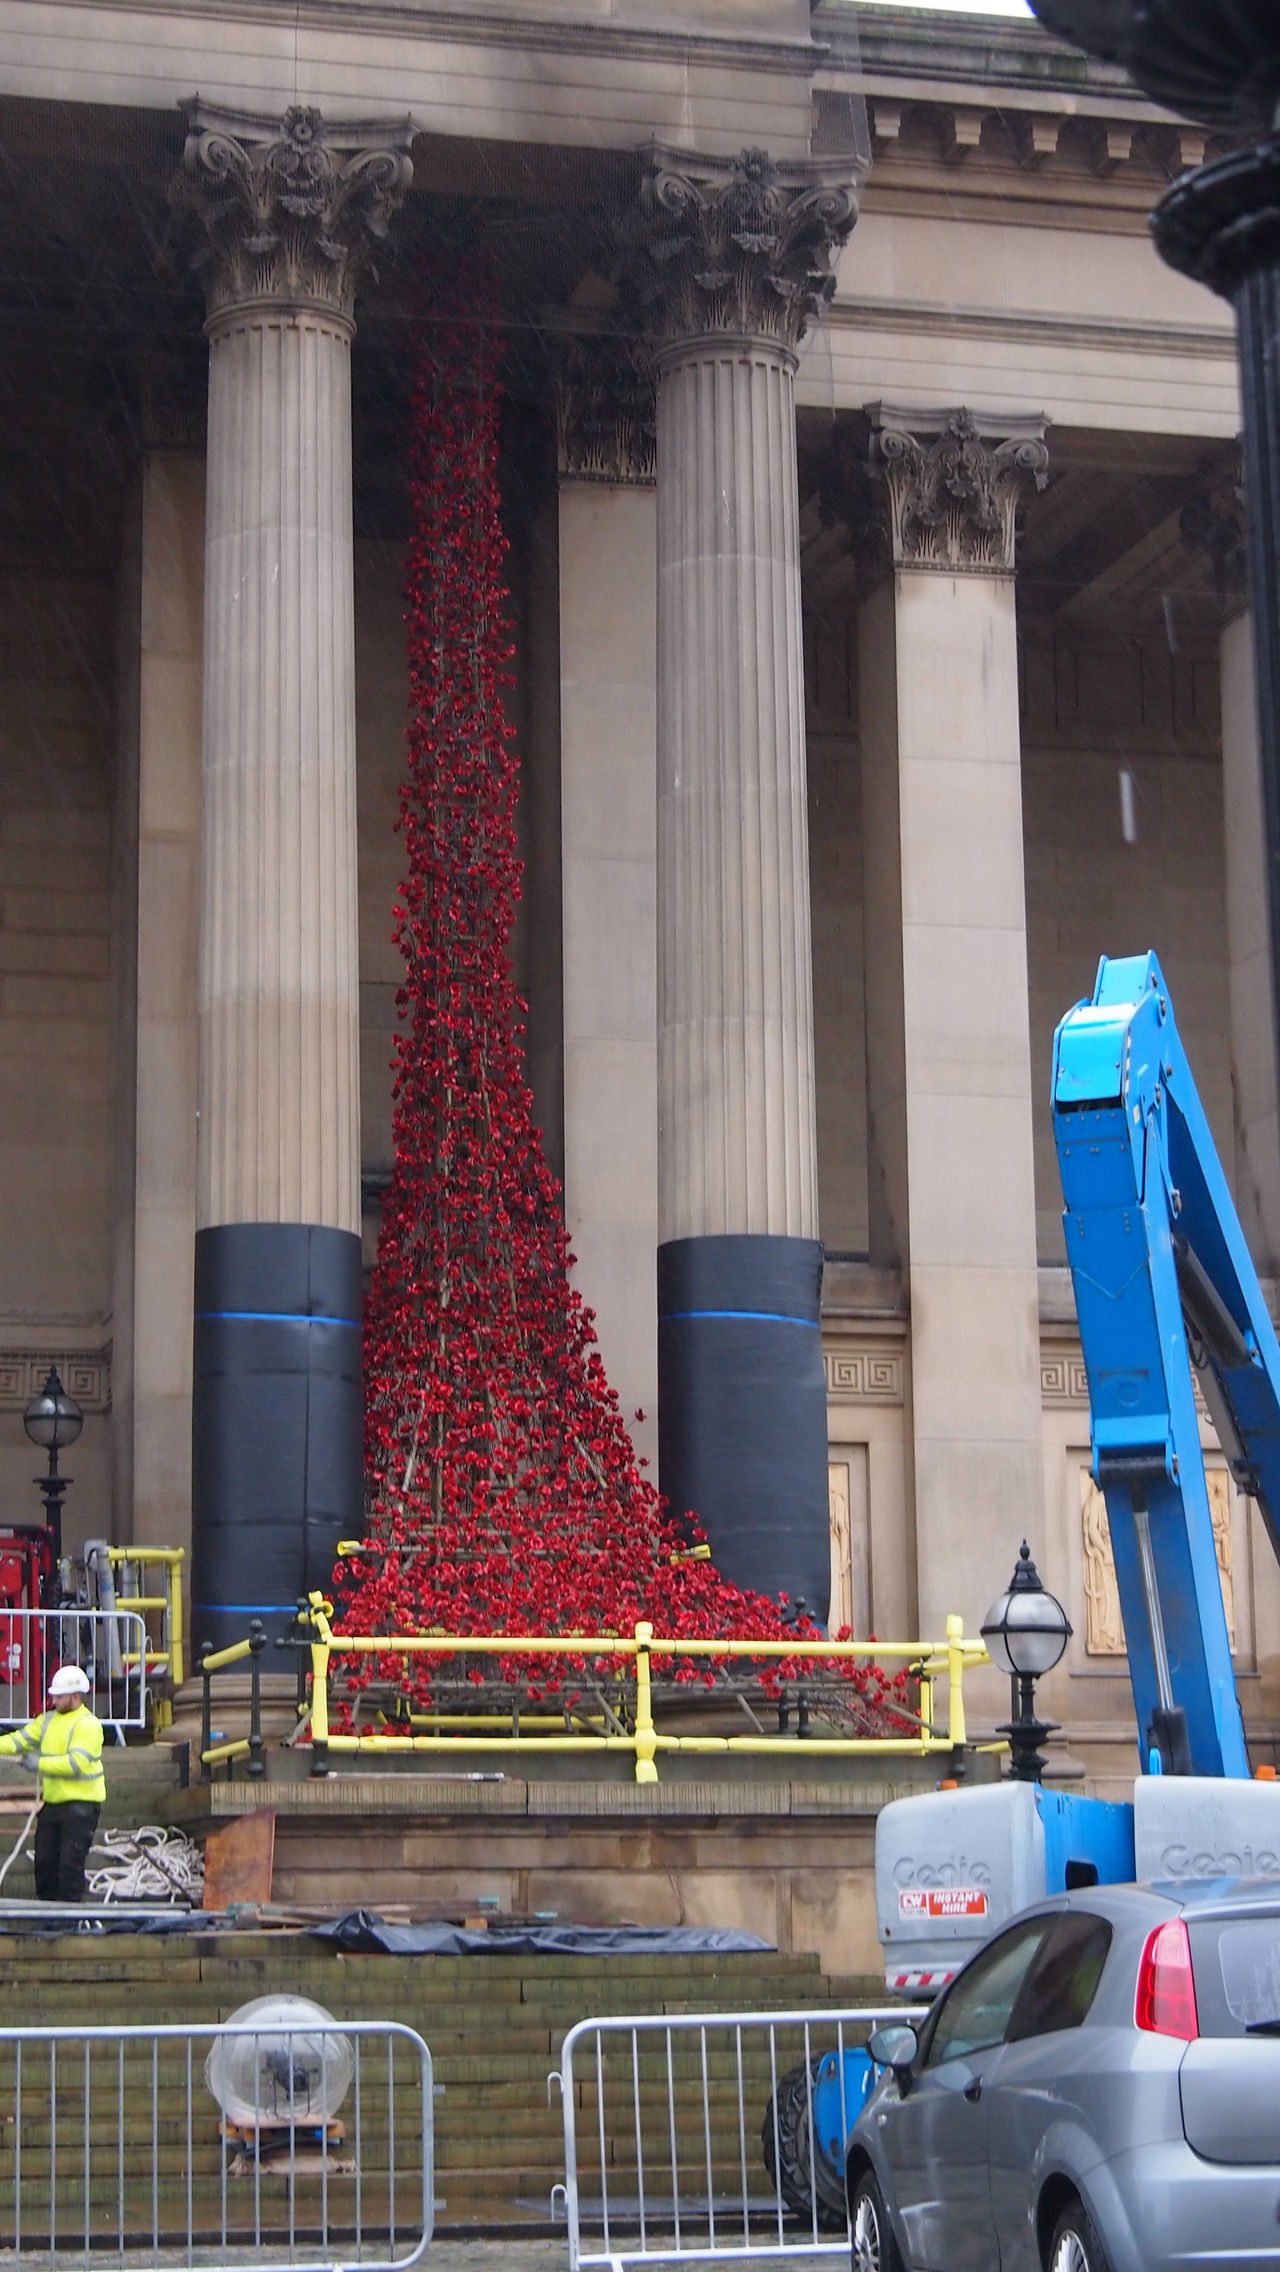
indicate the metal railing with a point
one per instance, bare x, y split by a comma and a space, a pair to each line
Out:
148, 1579
113, 2148
625, 1721
228, 1749
675, 2151
106, 1644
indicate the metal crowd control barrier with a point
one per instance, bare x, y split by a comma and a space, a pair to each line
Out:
631, 1658
107, 1644
113, 2149
664, 2147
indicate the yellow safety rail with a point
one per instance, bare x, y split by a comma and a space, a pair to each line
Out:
930, 1661
161, 1598
229, 1749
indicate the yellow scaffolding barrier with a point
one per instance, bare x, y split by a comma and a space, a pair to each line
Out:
632, 1655
148, 1580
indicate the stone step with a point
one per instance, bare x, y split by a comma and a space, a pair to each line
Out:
494, 2025
86, 1957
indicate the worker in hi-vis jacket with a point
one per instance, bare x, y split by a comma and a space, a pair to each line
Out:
64, 1748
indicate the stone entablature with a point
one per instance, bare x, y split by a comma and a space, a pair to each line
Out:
957, 132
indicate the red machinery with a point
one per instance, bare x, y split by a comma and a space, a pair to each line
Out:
28, 1580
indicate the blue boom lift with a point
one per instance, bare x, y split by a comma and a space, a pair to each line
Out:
1164, 1285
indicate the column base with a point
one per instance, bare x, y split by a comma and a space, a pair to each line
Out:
277, 1433
742, 1408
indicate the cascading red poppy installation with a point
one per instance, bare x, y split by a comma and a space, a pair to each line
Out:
505, 1496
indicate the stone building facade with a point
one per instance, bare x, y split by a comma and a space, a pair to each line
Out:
976, 449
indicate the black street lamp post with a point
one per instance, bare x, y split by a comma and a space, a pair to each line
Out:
53, 1420
1219, 61
1026, 1631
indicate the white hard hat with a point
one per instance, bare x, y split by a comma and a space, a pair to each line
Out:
68, 1680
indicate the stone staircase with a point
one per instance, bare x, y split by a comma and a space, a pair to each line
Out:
494, 2025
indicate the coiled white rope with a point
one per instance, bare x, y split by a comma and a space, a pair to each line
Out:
146, 1864
21, 1840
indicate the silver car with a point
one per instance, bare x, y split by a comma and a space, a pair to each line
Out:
1097, 2091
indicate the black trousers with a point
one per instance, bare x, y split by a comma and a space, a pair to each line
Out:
64, 1835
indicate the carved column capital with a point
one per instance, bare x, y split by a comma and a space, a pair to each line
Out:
953, 483
606, 412
291, 208
738, 247
1213, 521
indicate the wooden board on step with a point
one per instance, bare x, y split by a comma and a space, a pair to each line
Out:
278, 2148
239, 1860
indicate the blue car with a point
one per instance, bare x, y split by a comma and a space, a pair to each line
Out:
1097, 2091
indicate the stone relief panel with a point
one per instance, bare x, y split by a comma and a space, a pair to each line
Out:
847, 1484
841, 1611
1104, 1626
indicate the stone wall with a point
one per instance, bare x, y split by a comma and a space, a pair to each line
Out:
789, 1861
835, 885
1090, 706
55, 1073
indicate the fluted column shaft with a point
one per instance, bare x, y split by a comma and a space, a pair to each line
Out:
279, 976
950, 1080
286, 208
737, 1146
740, 263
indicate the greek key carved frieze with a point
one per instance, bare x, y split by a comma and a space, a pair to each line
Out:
1063, 1380
86, 1376
954, 486
291, 208
863, 1376
743, 246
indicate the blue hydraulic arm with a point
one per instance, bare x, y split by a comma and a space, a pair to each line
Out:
1163, 1282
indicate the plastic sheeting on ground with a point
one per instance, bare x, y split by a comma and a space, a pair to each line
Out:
363, 1932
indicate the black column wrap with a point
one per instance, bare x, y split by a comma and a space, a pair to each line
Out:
742, 1408
1221, 225
277, 1423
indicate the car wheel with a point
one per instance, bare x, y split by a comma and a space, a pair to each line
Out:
1076, 2246
874, 2247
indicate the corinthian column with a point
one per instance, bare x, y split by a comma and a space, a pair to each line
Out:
288, 210
736, 264
948, 1046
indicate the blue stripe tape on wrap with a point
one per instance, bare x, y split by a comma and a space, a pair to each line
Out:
246, 1608
274, 1317
754, 1317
